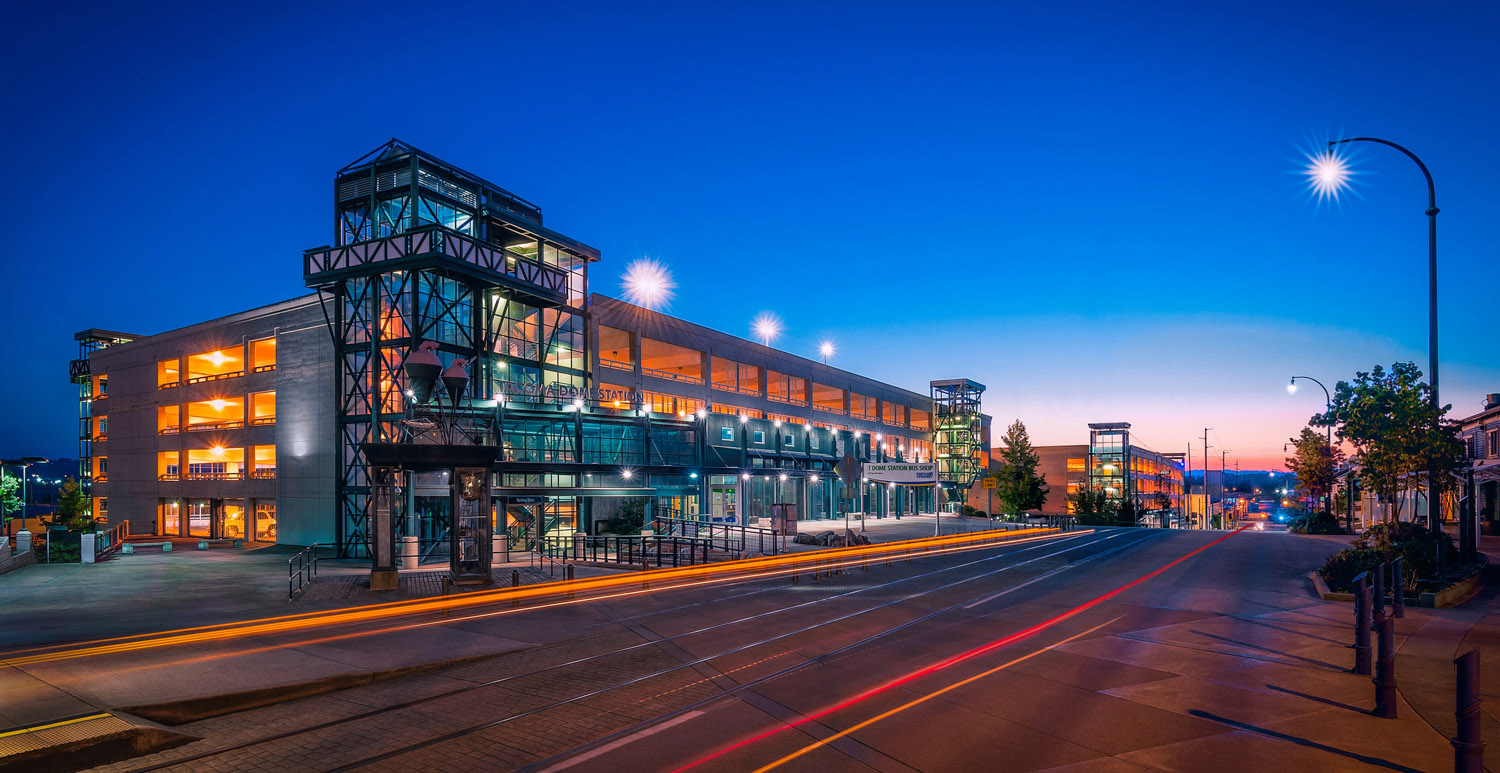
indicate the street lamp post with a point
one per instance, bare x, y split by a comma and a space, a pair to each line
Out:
1334, 175
1327, 400
24, 463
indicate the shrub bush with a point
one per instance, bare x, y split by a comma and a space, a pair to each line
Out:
1413, 542
1315, 523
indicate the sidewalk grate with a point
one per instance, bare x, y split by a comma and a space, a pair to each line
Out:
57, 733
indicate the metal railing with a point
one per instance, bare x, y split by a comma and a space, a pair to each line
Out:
214, 377
109, 540
301, 570
634, 549
730, 537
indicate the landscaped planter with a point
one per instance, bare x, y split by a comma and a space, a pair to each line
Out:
1453, 594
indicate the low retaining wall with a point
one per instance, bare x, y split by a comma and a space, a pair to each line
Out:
15, 560
1447, 597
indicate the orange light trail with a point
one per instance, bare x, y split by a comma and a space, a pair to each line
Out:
533, 607
927, 697
682, 577
959, 658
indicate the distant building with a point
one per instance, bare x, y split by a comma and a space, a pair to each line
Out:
1110, 463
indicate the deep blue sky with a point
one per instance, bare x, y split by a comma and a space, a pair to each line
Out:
1091, 207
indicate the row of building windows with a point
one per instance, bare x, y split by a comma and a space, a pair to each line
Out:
217, 463
680, 363
254, 409
256, 357
231, 519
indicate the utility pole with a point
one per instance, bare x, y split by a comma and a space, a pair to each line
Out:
1207, 504
1223, 479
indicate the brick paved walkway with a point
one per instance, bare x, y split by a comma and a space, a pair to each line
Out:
412, 585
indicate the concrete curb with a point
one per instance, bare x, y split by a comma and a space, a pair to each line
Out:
186, 710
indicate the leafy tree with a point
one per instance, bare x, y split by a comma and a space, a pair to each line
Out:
1315, 464
1127, 512
1018, 485
1095, 508
10, 504
72, 508
1387, 416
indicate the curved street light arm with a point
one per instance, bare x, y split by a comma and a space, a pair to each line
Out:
1431, 189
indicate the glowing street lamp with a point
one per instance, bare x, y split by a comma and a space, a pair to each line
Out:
1291, 389
1328, 174
826, 349
648, 283
767, 327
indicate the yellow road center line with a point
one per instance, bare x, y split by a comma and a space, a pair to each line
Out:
924, 699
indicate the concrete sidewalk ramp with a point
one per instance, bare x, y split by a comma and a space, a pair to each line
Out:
84, 742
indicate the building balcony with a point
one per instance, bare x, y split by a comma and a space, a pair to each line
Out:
671, 376
264, 368
263, 474
826, 409
216, 377
214, 476
625, 366
436, 246
169, 430
215, 425
169, 385
786, 400
263, 421
168, 476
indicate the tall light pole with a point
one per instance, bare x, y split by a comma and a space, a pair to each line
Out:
24, 463
1291, 388
1329, 174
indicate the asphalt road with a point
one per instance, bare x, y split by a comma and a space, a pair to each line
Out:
1013, 657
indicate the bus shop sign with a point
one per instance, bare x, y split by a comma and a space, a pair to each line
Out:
924, 473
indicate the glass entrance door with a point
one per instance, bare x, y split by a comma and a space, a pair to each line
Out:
721, 503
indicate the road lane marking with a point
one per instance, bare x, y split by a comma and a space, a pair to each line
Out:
609, 747
927, 697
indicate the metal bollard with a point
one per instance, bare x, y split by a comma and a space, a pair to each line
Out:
515, 582
1398, 592
1385, 671
1468, 745
1362, 624
447, 583
568, 573
1378, 596
795, 581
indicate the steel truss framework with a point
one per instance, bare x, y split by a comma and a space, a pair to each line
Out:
958, 426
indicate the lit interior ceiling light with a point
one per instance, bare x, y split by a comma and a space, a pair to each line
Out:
217, 450
626, 474
745, 476
219, 405
1328, 174
648, 283
218, 358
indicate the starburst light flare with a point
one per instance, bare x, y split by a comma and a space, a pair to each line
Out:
767, 327
1328, 174
826, 349
648, 283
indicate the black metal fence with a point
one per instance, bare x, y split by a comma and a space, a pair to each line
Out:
723, 536
301, 569
642, 550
